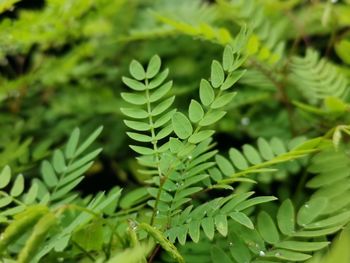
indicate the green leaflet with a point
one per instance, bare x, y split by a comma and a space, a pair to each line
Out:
302, 246
18, 186
267, 228
311, 210
286, 217
242, 219
231, 79
288, 255
227, 58
134, 84
206, 92
212, 117
72, 143
181, 125
217, 75
195, 111
48, 174
153, 67
224, 165
137, 70
223, 100
5, 176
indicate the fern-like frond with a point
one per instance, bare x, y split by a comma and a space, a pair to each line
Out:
317, 78
265, 157
59, 177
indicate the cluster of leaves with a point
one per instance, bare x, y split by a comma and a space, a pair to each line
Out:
241, 157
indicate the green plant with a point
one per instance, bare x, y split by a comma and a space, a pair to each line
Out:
239, 149
176, 211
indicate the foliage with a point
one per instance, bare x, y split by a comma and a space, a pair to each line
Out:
225, 140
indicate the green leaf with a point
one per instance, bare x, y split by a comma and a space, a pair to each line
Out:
161, 91
331, 221
212, 117
221, 224
206, 93
18, 186
133, 84
195, 111
137, 125
72, 143
286, 217
32, 193
153, 67
175, 145
200, 136
136, 99
302, 246
5, 176
139, 137
227, 58
134, 113
267, 228
254, 201
48, 174
163, 106
251, 154
317, 233
194, 230
311, 210
232, 78
224, 165
142, 150
217, 75
83, 160
181, 125
223, 100
89, 140
238, 159
58, 161
159, 79
165, 132
134, 197
242, 219
208, 227
137, 70
265, 149
288, 255
66, 189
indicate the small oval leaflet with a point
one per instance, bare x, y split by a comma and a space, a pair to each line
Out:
137, 70
182, 126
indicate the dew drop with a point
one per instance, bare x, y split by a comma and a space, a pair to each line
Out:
277, 254
261, 253
189, 157
157, 212
306, 206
